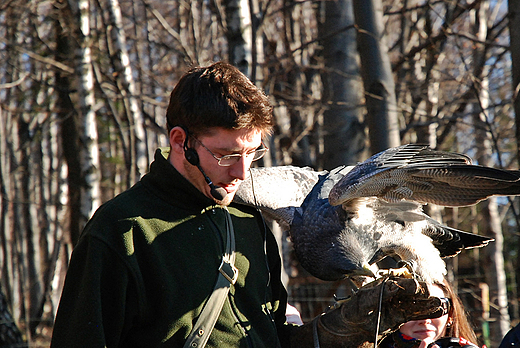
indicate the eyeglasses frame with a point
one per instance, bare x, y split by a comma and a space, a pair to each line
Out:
219, 159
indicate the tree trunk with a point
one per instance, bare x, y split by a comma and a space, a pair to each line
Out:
90, 200
377, 76
127, 86
424, 99
69, 131
343, 131
9, 247
514, 37
238, 34
494, 267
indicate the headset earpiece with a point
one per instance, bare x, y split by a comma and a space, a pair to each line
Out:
189, 153
191, 156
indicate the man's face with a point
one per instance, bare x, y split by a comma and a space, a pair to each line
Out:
222, 142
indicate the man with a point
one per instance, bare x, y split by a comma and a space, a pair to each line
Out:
148, 260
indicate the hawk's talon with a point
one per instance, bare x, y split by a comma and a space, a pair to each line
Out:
404, 272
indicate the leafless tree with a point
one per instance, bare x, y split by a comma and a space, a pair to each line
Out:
344, 138
377, 76
83, 98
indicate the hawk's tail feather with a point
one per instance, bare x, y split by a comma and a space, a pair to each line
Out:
471, 240
460, 240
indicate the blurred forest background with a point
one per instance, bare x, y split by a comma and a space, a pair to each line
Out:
84, 85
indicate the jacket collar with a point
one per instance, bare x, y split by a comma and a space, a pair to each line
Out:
173, 188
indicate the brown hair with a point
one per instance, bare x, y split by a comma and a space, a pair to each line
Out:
460, 326
218, 96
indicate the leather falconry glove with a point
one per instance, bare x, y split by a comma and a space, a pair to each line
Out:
353, 323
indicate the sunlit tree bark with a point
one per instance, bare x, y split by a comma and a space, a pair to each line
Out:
128, 88
8, 250
484, 131
90, 199
238, 34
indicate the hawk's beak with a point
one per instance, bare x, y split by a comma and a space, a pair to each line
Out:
364, 270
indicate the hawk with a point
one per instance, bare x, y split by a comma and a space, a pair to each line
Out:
342, 222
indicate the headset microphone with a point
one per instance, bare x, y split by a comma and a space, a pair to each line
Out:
216, 191
193, 158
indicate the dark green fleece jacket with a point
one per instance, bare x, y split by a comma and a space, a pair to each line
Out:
147, 262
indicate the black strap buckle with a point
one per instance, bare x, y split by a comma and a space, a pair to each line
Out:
229, 271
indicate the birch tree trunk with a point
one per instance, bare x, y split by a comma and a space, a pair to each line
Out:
494, 267
256, 15
377, 76
7, 322
343, 130
238, 25
127, 86
90, 200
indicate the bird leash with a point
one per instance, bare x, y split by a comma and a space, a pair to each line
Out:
379, 310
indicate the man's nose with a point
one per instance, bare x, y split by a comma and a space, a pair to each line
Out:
240, 169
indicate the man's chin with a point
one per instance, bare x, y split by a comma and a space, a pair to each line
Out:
227, 200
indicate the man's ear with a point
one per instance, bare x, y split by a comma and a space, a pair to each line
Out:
177, 138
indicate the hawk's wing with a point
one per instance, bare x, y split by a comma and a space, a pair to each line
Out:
418, 173
277, 191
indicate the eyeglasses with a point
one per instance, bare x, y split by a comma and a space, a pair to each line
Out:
229, 160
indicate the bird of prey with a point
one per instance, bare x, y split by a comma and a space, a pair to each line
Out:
342, 222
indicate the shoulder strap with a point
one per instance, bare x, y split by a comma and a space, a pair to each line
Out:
228, 274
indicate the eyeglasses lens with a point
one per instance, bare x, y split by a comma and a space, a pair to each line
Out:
229, 160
